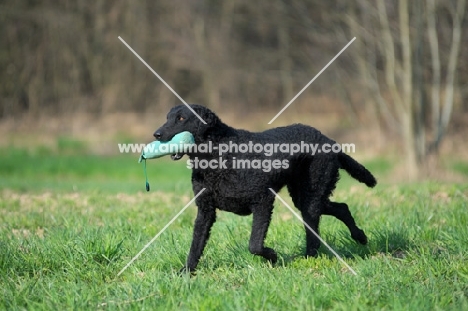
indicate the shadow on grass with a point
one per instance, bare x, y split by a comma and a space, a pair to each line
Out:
388, 241
393, 242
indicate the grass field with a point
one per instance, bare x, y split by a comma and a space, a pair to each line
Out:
69, 222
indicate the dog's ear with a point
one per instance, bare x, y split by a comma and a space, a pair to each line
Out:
209, 117
206, 114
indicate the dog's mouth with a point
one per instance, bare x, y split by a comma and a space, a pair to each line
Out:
176, 156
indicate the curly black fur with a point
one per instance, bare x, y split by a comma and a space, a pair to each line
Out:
310, 180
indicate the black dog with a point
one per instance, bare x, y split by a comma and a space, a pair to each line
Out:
310, 178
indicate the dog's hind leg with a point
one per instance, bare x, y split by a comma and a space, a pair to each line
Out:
310, 211
310, 207
260, 224
341, 212
310, 193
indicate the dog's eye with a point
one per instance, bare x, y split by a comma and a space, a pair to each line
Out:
180, 118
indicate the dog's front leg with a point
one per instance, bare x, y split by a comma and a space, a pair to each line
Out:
205, 218
260, 224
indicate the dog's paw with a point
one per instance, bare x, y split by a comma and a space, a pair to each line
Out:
186, 270
360, 237
311, 253
270, 255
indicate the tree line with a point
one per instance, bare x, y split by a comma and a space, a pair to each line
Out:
407, 67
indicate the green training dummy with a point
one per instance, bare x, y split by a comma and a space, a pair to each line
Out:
156, 149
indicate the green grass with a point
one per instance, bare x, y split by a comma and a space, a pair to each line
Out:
460, 167
70, 222
42, 170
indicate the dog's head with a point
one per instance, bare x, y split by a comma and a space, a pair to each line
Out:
181, 118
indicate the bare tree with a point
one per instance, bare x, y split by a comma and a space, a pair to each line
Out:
61, 56
442, 115
399, 89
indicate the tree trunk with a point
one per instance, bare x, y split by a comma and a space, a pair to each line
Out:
285, 61
210, 89
418, 92
407, 86
410, 150
435, 62
458, 15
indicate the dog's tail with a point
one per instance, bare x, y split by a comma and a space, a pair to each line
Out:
356, 170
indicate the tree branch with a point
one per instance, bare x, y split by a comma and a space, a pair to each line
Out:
389, 53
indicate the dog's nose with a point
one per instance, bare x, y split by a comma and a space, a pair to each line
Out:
157, 135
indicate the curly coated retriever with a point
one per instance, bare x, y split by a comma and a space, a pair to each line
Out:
238, 179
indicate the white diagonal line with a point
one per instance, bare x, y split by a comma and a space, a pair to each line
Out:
315, 233
162, 80
160, 232
316, 76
